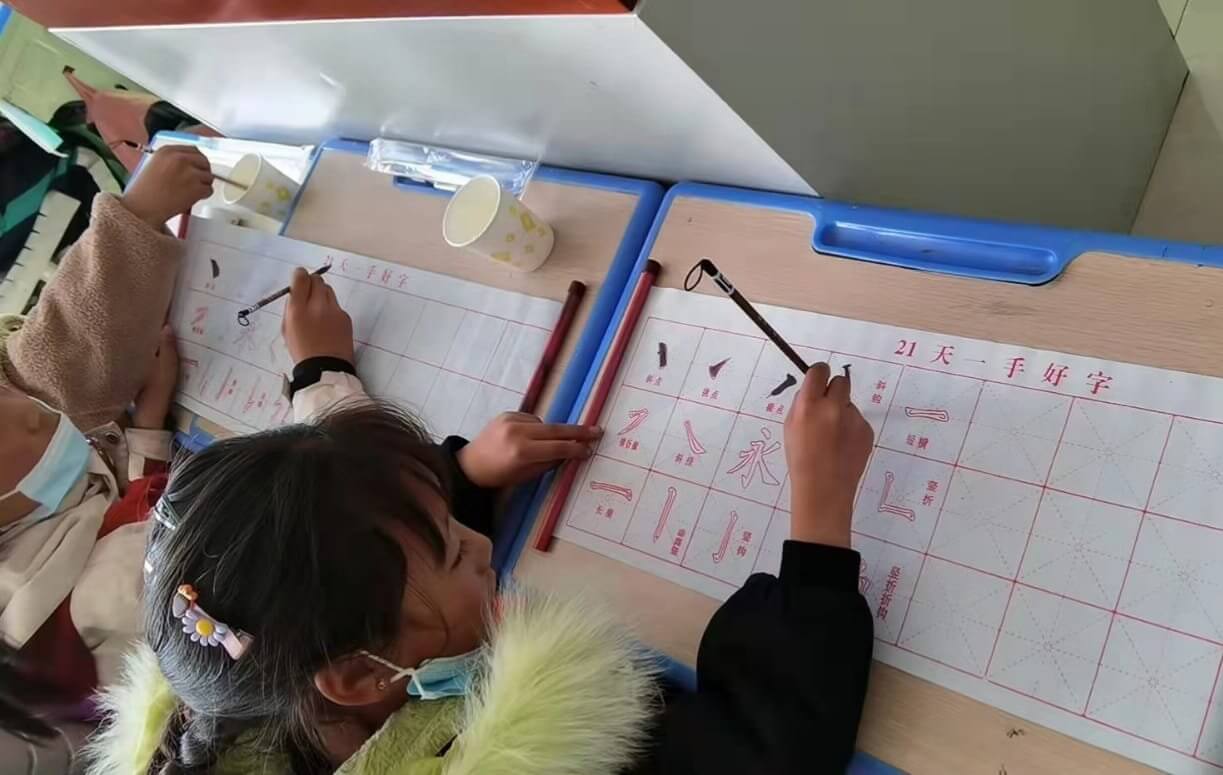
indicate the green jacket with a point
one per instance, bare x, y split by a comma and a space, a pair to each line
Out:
563, 690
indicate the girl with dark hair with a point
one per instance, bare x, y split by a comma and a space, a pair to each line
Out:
320, 599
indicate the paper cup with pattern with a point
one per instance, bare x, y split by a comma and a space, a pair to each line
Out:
485, 218
264, 189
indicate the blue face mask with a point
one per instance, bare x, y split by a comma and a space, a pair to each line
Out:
434, 678
61, 466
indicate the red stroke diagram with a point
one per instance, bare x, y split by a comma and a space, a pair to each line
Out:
614, 489
753, 461
720, 554
864, 580
665, 514
694, 443
635, 418
715, 368
198, 320
937, 415
889, 481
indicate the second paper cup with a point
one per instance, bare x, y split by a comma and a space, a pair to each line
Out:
268, 191
486, 218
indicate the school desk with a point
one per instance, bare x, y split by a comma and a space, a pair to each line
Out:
600, 221
1096, 299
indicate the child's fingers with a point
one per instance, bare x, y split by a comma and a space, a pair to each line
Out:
838, 389
300, 285
319, 296
541, 451
557, 431
521, 417
193, 158
815, 384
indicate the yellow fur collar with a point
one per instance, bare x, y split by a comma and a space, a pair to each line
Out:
563, 690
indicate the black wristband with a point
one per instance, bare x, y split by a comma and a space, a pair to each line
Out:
310, 371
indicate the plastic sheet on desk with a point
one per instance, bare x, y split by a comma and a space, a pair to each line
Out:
446, 168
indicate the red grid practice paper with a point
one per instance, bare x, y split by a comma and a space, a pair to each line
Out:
1038, 530
455, 352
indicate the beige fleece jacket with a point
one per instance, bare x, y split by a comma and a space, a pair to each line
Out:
88, 344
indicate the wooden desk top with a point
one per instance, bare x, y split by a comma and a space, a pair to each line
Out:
348, 207
1151, 312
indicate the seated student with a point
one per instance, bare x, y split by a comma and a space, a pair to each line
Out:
69, 563
86, 346
72, 534
319, 598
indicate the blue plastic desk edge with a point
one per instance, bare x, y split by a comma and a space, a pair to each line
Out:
5, 13
965, 247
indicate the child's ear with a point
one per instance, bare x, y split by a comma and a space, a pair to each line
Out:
352, 681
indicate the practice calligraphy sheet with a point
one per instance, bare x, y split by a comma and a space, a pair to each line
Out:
454, 352
1040, 531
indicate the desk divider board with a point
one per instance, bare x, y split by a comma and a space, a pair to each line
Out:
1103, 296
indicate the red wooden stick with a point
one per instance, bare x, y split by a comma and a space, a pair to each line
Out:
553, 349
594, 407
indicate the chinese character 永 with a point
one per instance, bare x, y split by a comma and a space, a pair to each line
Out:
754, 460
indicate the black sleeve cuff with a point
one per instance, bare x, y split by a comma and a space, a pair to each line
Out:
471, 504
310, 371
817, 565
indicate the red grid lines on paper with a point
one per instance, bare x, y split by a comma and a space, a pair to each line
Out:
1066, 486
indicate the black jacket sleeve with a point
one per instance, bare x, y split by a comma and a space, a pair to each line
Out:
781, 673
470, 504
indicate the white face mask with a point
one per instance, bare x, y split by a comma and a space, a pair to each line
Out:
435, 678
61, 466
